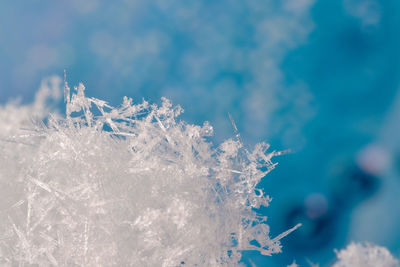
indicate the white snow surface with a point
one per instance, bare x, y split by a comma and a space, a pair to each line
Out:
125, 186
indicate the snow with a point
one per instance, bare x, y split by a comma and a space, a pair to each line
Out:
125, 186
365, 255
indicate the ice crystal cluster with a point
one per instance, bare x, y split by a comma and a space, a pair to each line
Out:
126, 186
368, 255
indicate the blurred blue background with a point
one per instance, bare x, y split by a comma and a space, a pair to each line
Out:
318, 77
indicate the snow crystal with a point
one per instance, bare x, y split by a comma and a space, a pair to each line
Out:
294, 264
366, 255
126, 186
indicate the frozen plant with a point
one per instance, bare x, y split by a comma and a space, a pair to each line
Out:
367, 255
127, 186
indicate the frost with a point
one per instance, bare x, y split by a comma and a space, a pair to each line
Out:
294, 264
126, 186
366, 256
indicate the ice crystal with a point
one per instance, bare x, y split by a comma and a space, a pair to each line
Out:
294, 264
126, 186
359, 255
